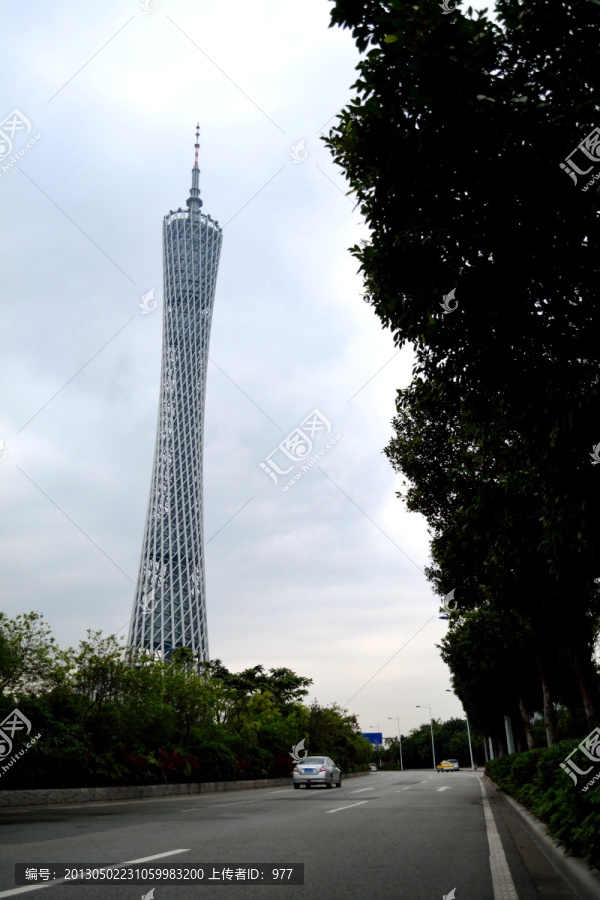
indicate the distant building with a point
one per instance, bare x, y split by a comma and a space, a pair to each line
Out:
169, 609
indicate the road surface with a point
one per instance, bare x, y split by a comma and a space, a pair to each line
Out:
414, 835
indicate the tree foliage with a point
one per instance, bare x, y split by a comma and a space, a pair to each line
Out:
452, 146
112, 715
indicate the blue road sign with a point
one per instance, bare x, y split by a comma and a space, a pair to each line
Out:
376, 737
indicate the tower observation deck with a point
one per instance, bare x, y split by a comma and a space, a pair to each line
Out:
169, 608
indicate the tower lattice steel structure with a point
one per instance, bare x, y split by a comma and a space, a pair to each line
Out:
169, 609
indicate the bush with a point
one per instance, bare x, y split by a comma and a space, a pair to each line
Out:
536, 780
109, 715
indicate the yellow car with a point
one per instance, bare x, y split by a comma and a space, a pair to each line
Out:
448, 765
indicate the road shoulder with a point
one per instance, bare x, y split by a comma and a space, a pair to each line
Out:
530, 849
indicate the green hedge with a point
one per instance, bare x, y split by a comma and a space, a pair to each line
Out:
536, 780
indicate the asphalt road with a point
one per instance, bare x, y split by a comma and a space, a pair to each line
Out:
414, 835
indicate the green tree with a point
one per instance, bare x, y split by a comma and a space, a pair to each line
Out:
335, 733
28, 654
452, 146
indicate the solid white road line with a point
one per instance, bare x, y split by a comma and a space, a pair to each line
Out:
504, 886
284, 791
340, 808
360, 790
48, 884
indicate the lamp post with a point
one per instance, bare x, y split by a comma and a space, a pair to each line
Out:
377, 726
431, 726
399, 740
473, 766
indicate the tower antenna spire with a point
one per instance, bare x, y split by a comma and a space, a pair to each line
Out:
194, 202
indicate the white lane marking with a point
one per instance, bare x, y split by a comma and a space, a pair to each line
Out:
48, 884
360, 790
502, 883
426, 780
404, 789
340, 808
445, 788
284, 791
231, 803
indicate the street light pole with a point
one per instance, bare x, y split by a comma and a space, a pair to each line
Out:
431, 726
448, 691
399, 740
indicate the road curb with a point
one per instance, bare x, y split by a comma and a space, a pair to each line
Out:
60, 796
574, 870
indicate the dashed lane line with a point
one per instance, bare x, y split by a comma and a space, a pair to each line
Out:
340, 808
231, 803
360, 790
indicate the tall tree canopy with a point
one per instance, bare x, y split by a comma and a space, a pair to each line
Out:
453, 147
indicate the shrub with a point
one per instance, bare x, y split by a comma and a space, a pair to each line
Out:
536, 780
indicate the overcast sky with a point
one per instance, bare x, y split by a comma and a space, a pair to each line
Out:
324, 578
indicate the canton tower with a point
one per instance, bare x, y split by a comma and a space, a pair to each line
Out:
169, 609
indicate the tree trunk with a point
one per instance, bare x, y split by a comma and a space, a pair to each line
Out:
526, 722
588, 689
549, 711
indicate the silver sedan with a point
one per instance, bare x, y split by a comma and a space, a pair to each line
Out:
316, 770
